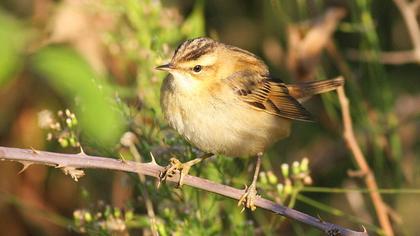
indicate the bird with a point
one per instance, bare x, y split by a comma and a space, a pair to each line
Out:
224, 101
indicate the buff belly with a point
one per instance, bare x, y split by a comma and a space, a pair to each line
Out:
221, 126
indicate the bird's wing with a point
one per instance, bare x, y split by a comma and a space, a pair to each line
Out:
262, 93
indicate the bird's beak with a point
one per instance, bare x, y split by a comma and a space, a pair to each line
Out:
166, 67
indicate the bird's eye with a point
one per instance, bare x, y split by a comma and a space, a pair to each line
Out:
197, 68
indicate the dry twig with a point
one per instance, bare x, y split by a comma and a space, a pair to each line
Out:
77, 161
350, 139
305, 50
409, 11
128, 140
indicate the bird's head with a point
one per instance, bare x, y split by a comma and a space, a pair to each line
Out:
206, 60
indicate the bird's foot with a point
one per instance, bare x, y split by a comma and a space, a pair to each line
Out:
247, 200
175, 166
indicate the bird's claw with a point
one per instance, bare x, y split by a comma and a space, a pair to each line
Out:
248, 198
175, 166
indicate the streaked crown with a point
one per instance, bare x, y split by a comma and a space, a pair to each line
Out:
204, 58
193, 49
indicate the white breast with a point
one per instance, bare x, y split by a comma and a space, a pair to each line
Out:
219, 124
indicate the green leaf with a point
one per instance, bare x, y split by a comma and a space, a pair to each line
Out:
70, 75
194, 25
12, 41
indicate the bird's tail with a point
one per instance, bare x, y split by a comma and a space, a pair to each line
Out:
303, 91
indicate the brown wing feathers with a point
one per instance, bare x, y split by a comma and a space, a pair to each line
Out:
263, 94
274, 98
278, 98
304, 91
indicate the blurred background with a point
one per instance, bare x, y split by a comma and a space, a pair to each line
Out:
80, 73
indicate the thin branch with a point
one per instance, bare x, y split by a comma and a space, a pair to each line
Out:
77, 161
409, 13
304, 50
369, 178
144, 192
392, 58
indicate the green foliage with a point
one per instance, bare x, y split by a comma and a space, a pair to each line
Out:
13, 37
146, 38
98, 114
63, 128
193, 26
285, 190
106, 220
125, 97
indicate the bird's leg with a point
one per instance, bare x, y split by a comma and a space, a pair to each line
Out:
183, 168
248, 198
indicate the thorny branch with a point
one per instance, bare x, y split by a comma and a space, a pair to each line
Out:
72, 164
369, 178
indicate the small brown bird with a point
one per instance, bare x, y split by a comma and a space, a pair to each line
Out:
223, 100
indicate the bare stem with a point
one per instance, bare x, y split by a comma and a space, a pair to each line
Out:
73, 162
409, 11
350, 139
145, 193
